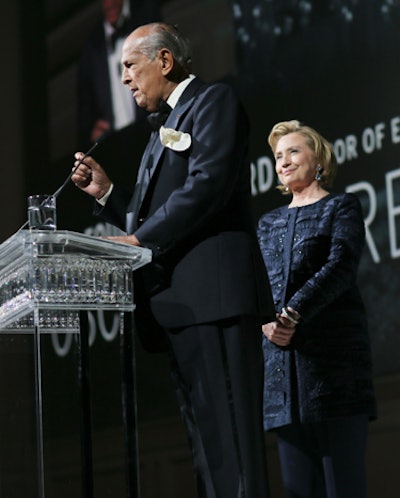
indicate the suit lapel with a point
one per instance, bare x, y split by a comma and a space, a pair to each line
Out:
154, 150
174, 119
141, 185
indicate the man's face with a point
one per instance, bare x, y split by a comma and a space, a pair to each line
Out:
143, 76
111, 10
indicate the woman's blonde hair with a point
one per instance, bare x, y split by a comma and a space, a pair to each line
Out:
318, 144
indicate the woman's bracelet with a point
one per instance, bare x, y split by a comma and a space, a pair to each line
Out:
286, 313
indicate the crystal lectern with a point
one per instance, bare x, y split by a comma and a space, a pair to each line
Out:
48, 279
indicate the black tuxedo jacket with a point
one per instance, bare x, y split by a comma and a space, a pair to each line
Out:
195, 215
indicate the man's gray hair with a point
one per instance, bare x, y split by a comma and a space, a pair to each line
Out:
163, 35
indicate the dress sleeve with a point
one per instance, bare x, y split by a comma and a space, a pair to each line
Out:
339, 273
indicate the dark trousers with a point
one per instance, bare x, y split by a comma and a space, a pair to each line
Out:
324, 459
218, 374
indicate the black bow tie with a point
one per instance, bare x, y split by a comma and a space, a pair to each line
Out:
157, 119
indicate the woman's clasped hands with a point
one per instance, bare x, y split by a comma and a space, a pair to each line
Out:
279, 332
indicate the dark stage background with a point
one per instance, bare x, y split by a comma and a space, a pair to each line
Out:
333, 65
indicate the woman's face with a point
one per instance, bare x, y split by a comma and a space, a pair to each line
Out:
295, 162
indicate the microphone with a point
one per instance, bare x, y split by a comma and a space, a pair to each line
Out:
98, 142
61, 188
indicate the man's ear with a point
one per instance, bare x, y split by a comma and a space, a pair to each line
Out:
167, 61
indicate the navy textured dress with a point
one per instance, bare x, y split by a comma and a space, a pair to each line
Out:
312, 255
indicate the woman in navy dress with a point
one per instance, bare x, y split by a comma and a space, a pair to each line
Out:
318, 393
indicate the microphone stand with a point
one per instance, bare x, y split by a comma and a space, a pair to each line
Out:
61, 188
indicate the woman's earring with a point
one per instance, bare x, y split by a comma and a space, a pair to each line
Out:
318, 173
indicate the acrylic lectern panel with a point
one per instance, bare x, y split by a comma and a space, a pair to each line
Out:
63, 271
49, 280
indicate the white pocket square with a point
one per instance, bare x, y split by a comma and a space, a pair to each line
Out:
175, 140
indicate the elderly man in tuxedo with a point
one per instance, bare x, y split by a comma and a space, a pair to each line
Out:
206, 292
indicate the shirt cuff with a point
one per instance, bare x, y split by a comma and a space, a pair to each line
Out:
103, 200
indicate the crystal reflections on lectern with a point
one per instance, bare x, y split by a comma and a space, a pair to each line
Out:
42, 212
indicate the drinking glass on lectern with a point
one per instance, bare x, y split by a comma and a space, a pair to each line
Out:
42, 212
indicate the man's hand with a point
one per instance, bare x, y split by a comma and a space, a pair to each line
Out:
125, 239
90, 177
279, 333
